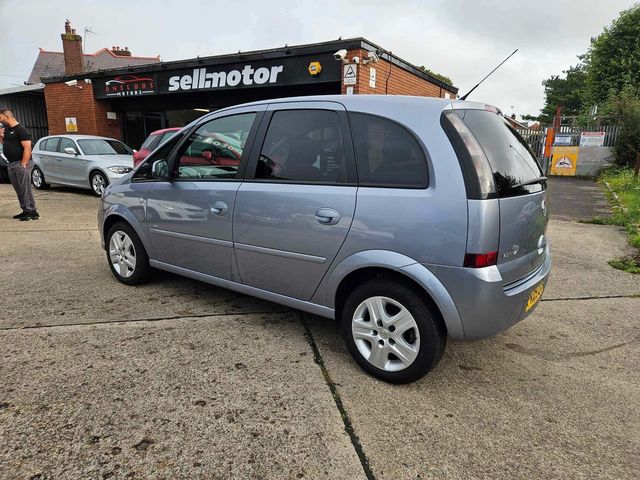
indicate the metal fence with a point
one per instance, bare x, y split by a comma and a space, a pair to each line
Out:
536, 137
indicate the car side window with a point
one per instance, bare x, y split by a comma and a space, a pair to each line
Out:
387, 154
66, 143
43, 144
143, 172
215, 149
52, 144
303, 146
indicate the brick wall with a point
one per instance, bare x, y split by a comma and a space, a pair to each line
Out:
65, 101
400, 82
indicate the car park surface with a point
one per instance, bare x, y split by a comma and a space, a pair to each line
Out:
181, 380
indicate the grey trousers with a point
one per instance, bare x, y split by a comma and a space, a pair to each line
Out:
20, 178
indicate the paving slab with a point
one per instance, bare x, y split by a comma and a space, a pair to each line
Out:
580, 255
574, 199
555, 397
216, 397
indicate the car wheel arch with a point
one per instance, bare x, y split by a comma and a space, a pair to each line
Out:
127, 217
334, 287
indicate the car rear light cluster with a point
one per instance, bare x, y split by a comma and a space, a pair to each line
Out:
478, 158
480, 260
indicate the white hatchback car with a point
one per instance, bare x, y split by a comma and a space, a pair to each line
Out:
83, 161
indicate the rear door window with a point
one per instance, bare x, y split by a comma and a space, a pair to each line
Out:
387, 154
304, 146
52, 144
512, 161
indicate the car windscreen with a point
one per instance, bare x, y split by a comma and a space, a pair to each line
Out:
101, 146
512, 161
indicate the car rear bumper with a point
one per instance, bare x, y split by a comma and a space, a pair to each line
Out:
486, 305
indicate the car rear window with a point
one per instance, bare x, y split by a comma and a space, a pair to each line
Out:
512, 161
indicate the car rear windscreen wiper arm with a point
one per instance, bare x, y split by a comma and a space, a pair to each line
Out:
530, 182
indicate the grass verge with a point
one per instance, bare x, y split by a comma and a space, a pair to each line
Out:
624, 193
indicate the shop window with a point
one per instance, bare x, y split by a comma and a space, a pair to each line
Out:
215, 149
303, 146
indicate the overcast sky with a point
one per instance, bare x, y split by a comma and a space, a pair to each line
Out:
461, 39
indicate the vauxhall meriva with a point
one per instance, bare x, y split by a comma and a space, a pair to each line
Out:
408, 219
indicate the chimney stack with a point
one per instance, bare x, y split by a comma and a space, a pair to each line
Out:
121, 52
72, 48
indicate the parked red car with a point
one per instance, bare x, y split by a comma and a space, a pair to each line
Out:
152, 141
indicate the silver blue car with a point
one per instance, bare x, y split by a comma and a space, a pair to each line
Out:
83, 161
409, 220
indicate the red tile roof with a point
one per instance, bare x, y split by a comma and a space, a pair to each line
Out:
51, 64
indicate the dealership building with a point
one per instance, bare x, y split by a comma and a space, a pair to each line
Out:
130, 101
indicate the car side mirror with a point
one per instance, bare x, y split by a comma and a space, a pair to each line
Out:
159, 169
70, 151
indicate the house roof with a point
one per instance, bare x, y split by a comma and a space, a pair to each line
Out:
51, 64
287, 50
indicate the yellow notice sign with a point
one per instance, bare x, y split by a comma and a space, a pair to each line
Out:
71, 123
564, 160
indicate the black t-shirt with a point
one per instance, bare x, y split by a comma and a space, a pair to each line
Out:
12, 147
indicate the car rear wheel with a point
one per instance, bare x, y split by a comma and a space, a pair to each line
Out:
98, 183
37, 179
392, 331
126, 255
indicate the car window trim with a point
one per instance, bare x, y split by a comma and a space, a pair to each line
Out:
259, 110
414, 135
347, 143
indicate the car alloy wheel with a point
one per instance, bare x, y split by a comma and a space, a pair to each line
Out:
385, 333
98, 183
36, 178
122, 254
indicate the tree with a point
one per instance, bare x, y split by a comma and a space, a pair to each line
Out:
627, 106
613, 60
567, 91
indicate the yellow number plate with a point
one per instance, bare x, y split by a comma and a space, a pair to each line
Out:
534, 297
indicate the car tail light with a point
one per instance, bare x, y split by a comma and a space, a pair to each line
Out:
480, 260
486, 185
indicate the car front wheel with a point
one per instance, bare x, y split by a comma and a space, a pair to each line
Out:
392, 331
98, 183
126, 255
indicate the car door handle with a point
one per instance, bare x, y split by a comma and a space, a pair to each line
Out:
327, 216
219, 208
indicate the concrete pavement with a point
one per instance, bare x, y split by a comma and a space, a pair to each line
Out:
177, 379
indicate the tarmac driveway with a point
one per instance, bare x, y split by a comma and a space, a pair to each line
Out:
178, 379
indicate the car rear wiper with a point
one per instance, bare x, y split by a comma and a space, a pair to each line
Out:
530, 182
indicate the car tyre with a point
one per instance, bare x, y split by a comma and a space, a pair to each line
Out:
408, 343
37, 179
98, 182
126, 255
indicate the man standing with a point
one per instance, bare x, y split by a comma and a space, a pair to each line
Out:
17, 149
